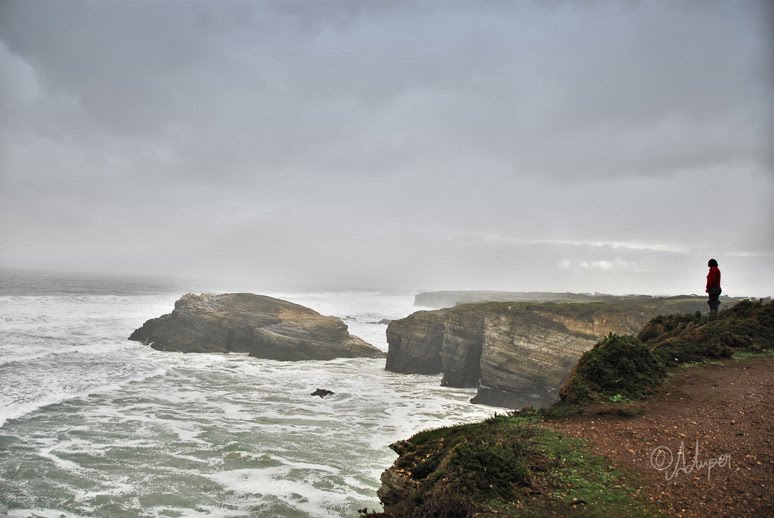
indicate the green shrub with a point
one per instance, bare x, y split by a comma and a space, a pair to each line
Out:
748, 326
505, 467
493, 467
675, 352
617, 366
664, 326
460, 468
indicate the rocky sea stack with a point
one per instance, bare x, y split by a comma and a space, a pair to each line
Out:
261, 326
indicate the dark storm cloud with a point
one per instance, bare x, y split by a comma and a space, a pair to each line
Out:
361, 142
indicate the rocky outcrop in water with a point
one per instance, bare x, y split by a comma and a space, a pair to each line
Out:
516, 354
261, 326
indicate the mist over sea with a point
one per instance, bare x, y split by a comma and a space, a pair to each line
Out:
93, 424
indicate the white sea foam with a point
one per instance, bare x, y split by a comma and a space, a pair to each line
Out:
63, 464
120, 428
96, 349
41, 513
264, 483
10, 411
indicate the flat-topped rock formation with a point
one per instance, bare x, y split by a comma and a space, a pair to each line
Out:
261, 326
450, 299
517, 353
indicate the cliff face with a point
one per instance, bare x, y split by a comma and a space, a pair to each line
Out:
261, 326
463, 339
415, 343
527, 356
517, 354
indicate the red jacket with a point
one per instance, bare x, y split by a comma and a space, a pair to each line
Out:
713, 278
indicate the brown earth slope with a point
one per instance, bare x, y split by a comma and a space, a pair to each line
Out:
726, 411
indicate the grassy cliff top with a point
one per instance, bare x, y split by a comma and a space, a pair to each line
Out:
518, 465
505, 466
448, 299
622, 368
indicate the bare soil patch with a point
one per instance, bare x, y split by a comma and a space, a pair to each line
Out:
721, 418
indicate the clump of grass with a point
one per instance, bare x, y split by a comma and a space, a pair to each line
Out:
458, 469
678, 339
586, 484
665, 326
673, 352
627, 368
619, 398
747, 355
617, 367
508, 466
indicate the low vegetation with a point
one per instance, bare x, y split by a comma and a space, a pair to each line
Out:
511, 466
620, 369
748, 326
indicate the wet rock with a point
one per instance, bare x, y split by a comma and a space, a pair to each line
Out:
260, 326
321, 392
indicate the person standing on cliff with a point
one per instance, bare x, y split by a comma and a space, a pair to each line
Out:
713, 286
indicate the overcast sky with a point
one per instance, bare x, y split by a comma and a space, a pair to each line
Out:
564, 146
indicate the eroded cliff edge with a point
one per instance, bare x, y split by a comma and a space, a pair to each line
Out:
530, 463
261, 326
516, 353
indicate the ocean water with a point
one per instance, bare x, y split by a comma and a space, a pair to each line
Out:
92, 424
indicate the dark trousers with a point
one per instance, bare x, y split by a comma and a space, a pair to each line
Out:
714, 300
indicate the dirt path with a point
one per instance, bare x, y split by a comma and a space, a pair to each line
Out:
725, 411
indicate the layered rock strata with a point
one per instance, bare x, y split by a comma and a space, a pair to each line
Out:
415, 343
526, 357
261, 326
463, 339
516, 354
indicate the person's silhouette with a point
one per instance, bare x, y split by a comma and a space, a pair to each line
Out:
713, 286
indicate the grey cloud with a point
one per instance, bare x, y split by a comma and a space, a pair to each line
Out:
235, 131
291, 81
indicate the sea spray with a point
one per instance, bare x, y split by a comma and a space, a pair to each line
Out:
95, 424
